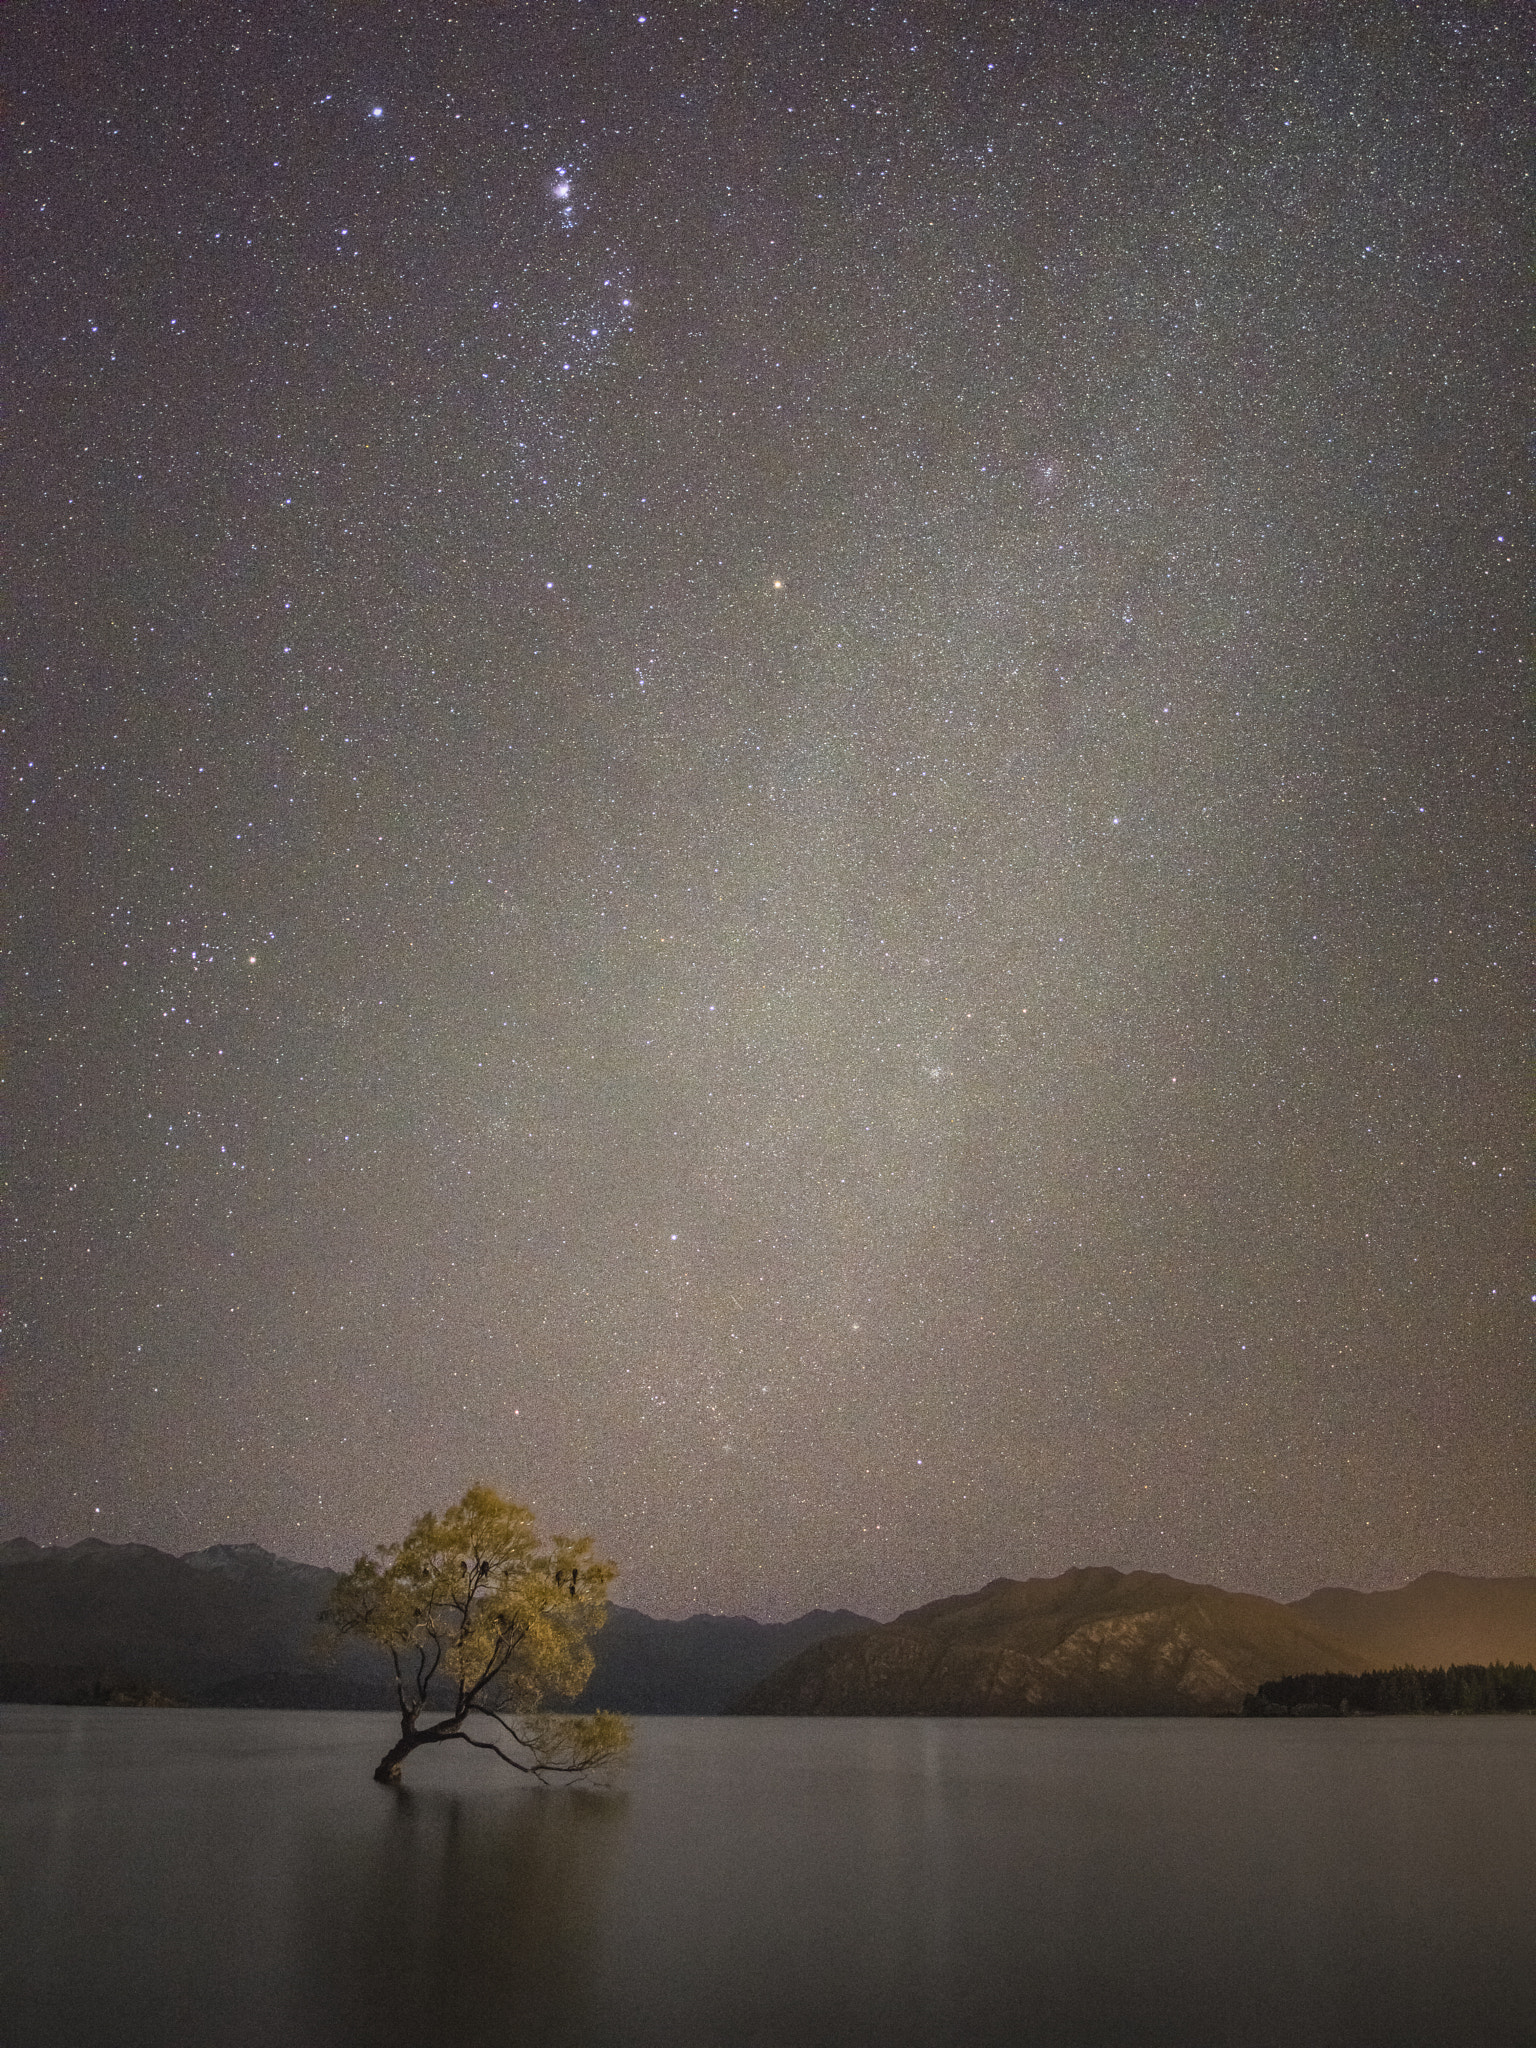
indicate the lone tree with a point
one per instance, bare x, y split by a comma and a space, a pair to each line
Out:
476, 1615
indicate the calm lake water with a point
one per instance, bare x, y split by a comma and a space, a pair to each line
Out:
173, 1879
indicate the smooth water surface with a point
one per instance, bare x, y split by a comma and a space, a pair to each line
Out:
179, 1878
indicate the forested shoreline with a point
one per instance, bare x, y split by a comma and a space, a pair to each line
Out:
1405, 1689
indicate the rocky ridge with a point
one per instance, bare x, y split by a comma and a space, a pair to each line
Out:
1093, 1641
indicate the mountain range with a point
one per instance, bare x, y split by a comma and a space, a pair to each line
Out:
236, 1626
1099, 1641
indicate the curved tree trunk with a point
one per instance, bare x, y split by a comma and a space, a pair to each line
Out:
412, 1737
388, 1772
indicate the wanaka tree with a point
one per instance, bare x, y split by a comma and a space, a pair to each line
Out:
483, 1624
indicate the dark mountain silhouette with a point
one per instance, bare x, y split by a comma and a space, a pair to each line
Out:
700, 1665
236, 1626
233, 1626
1099, 1641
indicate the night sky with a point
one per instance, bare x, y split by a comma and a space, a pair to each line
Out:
767, 779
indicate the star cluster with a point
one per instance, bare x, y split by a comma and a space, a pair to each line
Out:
766, 774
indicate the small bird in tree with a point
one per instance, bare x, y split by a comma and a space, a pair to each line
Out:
471, 1603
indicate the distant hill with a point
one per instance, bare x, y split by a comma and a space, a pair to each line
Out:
1437, 1619
700, 1665
236, 1626
1099, 1641
232, 1625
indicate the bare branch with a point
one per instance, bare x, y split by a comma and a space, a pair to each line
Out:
511, 1640
508, 1728
394, 1658
437, 1658
528, 1770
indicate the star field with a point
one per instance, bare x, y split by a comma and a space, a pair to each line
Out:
766, 779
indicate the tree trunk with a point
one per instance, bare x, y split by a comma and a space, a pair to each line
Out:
412, 1737
388, 1772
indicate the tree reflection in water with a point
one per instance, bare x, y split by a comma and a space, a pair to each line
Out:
472, 1912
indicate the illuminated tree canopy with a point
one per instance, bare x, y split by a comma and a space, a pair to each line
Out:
483, 1623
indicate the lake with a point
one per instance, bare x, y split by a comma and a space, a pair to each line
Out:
176, 1878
